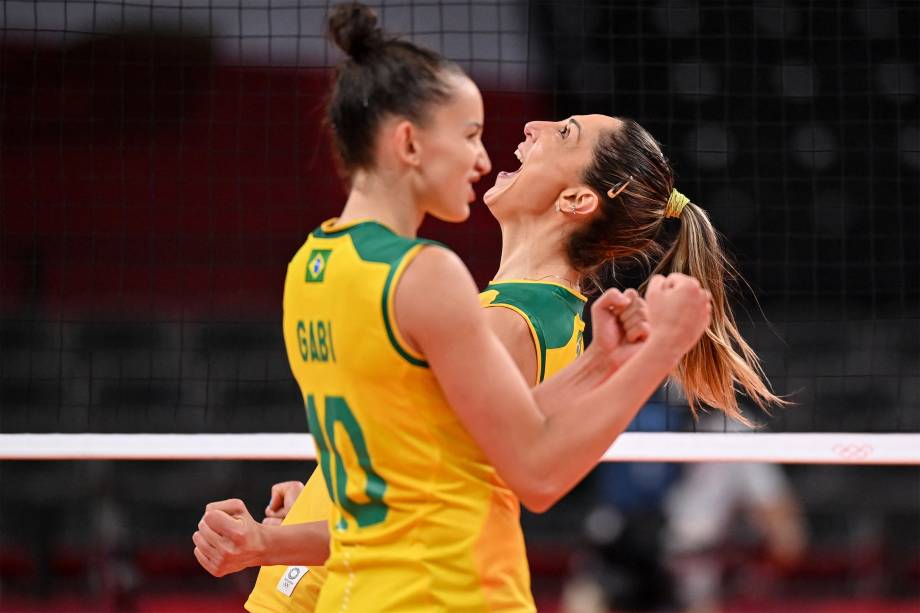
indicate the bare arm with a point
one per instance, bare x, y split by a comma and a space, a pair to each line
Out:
514, 334
299, 544
539, 450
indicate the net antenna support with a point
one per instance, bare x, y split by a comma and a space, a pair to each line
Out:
821, 448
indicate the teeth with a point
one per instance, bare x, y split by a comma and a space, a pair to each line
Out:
517, 154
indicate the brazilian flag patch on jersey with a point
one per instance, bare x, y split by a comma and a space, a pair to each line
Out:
316, 265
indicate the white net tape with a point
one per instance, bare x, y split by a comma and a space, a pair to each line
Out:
823, 448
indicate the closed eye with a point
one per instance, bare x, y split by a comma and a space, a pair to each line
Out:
476, 130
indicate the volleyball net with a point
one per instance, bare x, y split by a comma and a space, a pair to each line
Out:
815, 448
161, 161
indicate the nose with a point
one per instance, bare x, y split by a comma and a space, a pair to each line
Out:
533, 128
483, 163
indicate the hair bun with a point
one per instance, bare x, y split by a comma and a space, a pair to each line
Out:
353, 28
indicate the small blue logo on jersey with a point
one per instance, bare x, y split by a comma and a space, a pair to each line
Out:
316, 265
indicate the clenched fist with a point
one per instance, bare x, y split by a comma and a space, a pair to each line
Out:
679, 311
284, 495
620, 324
228, 538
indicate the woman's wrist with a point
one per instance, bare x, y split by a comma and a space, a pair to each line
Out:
664, 350
299, 544
263, 545
597, 361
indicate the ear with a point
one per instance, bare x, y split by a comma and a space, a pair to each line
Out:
577, 200
405, 143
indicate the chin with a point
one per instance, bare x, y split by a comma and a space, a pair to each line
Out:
494, 196
493, 203
454, 215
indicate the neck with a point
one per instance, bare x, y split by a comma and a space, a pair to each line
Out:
386, 200
535, 250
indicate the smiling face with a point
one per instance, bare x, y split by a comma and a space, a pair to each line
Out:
452, 155
553, 157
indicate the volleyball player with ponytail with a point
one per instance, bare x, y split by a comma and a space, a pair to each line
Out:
599, 196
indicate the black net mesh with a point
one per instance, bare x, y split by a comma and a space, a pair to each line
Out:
160, 162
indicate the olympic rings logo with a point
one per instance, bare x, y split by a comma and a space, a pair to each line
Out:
853, 451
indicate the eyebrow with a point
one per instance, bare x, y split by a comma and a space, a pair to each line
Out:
578, 125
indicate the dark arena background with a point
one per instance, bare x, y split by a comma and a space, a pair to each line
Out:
160, 162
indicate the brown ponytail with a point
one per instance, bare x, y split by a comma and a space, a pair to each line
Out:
722, 360
632, 228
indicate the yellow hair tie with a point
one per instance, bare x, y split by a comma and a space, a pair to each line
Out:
676, 204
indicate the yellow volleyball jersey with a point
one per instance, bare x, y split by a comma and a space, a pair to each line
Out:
418, 523
554, 315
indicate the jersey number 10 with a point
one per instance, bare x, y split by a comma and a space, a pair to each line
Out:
337, 411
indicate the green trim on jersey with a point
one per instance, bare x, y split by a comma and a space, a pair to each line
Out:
376, 243
548, 307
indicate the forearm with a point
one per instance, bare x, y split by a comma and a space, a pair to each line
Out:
304, 544
582, 423
585, 373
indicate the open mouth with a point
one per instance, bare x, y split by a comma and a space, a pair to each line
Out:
507, 175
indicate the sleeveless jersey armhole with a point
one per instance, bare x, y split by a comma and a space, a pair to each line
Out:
535, 334
398, 341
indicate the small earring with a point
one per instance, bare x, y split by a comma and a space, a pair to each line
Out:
571, 207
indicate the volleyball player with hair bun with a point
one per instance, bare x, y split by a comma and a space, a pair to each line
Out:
427, 433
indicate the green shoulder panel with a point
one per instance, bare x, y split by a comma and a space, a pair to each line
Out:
375, 242
549, 308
